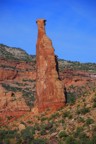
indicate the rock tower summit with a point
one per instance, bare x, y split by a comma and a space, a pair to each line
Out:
49, 89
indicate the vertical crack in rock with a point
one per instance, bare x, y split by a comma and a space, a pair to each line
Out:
49, 89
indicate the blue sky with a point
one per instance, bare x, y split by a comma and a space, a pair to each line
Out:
71, 25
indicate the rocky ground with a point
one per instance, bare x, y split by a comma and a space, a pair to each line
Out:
75, 123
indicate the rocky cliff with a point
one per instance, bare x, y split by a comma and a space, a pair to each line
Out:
17, 81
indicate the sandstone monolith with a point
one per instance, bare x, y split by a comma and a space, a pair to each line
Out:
49, 89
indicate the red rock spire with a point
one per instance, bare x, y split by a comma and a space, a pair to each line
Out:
49, 89
41, 27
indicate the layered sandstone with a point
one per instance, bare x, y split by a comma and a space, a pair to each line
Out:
17, 84
49, 89
16, 70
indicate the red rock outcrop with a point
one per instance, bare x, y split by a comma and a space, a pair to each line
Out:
12, 102
49, 89
16, 80
14, 70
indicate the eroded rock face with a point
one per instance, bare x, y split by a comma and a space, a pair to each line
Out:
17, 83
49, 89
14, 70
10, 74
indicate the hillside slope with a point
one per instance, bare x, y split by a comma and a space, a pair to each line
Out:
74, 124
13, 53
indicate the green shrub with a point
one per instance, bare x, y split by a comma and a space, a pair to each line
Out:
78, 131
67, 114
28, 80
71, 140
94, 99
81, 136
7, 135
43, 129
71, 98
84, 138
89, 121
44, 118
49, 126
55, 115
27, 134
93, 139
43, 132
61, 121
80, 119
46, 127
52, 130
94, 105
83, 110
62, 134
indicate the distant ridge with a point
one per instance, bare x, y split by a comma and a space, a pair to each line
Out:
14, 53
19, 54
